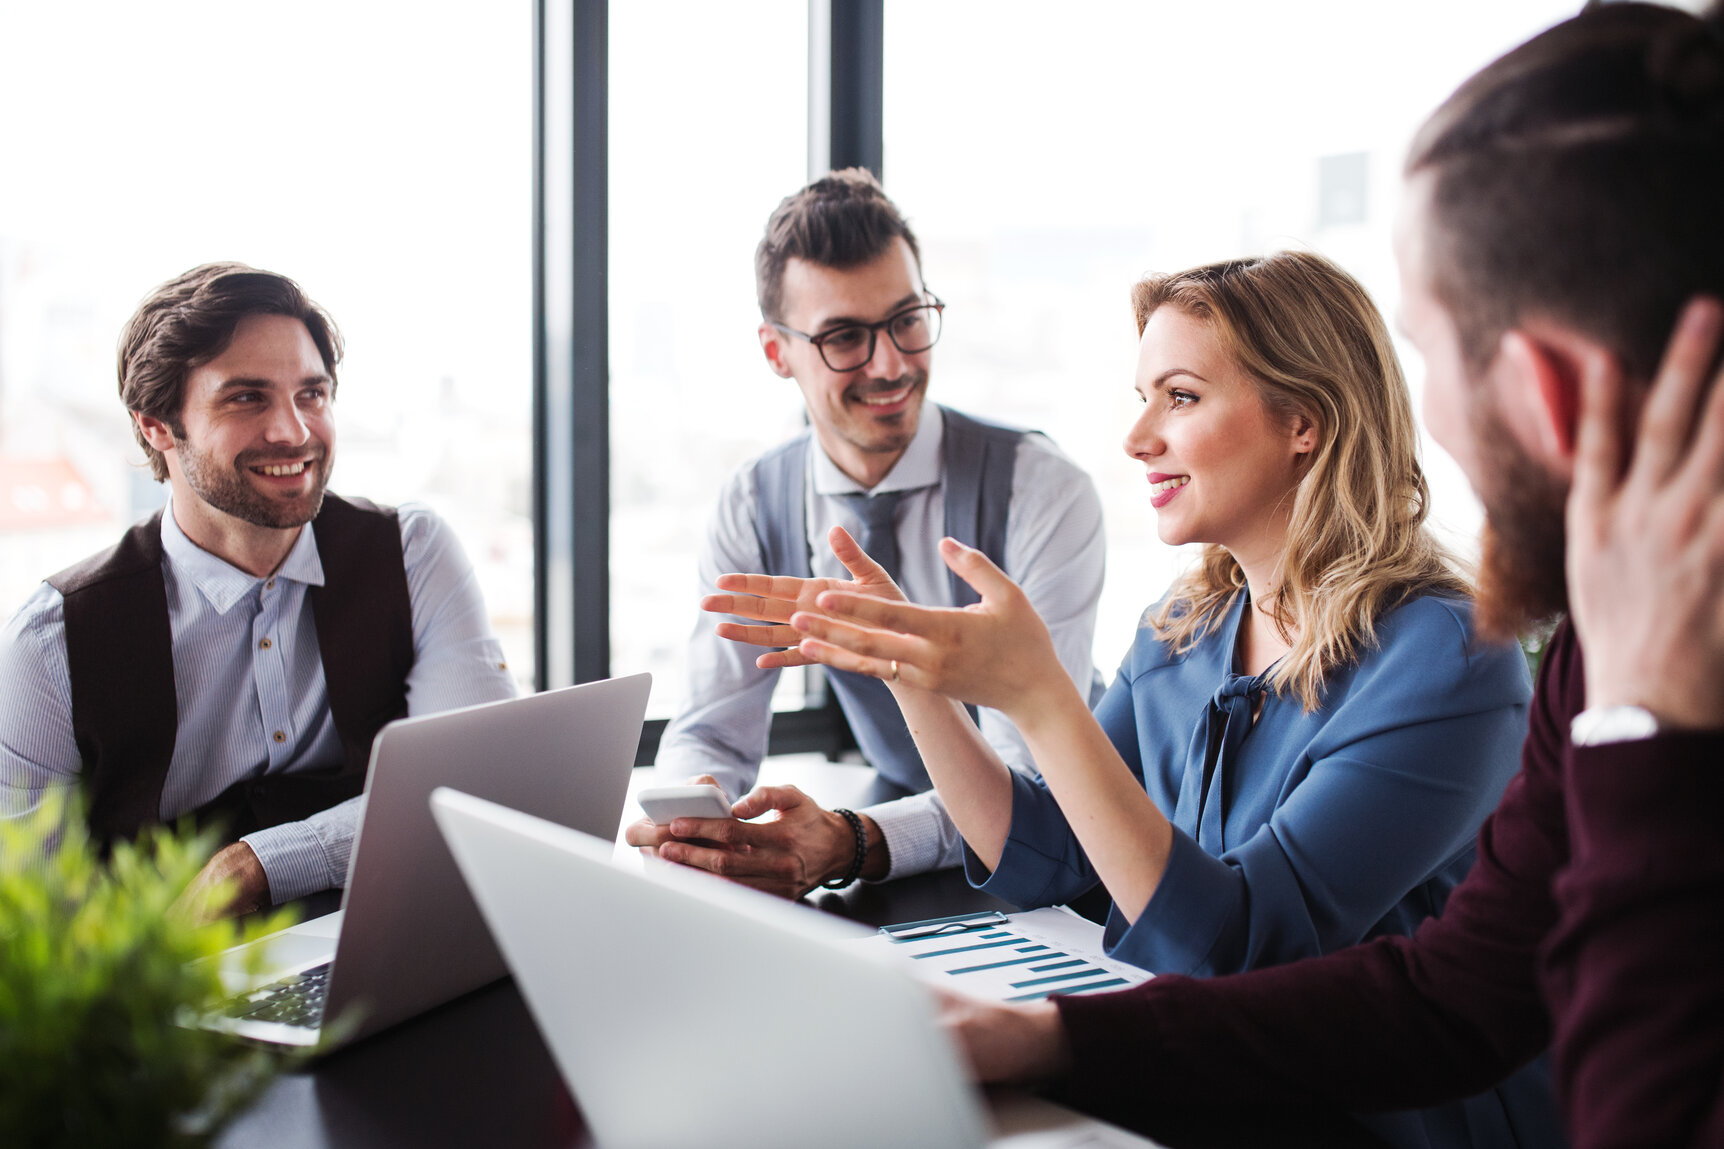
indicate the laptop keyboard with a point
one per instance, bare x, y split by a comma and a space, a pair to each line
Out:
296, 1000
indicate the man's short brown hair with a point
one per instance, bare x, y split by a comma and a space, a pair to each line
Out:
840, 221
1579, 178
190, 320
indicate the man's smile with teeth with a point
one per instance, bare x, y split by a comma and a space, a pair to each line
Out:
1169, 484
281, 470
885, 398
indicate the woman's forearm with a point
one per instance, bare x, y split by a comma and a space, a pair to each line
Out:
1123, 833
999, 654
1125, 836
973, 783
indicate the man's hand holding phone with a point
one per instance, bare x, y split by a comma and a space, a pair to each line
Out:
798, 846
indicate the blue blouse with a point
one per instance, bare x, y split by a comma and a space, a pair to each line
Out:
1316, 830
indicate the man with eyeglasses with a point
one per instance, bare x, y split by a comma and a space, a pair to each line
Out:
845, 313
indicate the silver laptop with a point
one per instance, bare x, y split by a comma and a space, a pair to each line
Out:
408, 936
685, 1010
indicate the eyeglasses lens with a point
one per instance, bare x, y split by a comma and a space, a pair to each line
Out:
916, 329
911, 331
847, 348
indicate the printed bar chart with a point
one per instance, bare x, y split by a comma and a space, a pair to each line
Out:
1021, 957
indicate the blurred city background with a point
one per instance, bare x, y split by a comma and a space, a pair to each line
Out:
381, 155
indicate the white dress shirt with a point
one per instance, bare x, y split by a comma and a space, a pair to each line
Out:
1055, 550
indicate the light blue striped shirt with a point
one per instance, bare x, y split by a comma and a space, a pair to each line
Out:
248, 677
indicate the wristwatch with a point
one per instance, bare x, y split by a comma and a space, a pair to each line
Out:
1602, 725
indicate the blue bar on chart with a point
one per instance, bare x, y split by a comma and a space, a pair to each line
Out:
973, 953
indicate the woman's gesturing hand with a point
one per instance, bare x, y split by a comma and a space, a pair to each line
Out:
995, 653
772, 599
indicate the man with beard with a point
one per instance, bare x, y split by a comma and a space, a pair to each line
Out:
233, 657
845, 313
1560, 212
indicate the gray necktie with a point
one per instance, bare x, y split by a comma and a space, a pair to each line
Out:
879, 526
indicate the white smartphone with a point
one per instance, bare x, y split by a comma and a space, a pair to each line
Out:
664, 803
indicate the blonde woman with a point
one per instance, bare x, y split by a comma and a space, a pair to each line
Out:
1300, 747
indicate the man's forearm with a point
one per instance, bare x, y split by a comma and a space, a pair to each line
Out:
1353, 1030
301, 858
231, 883
1641, 942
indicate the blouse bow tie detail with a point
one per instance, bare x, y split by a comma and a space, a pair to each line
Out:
1229, 720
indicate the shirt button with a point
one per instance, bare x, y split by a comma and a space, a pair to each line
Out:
264, 644
279, 736
270, 585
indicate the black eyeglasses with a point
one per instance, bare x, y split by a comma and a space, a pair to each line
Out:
851, 347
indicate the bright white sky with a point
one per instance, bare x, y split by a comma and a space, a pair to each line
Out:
380, 153
377, 152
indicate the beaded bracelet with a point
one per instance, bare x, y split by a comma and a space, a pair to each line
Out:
855, 870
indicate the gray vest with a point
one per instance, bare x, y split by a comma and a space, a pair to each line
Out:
977, 460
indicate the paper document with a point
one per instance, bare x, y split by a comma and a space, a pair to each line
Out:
1023, 956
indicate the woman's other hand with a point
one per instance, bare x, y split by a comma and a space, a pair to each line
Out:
772, 599
995, 653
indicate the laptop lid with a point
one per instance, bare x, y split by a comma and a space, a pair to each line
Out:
671, 998
411, 937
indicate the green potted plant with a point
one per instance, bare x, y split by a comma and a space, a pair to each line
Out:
98, 977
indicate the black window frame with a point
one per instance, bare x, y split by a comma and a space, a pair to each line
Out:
571, 485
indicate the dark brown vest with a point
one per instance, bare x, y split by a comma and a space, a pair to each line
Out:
119, 651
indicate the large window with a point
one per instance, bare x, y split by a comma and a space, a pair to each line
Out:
1048, 160
708, 131
380, 154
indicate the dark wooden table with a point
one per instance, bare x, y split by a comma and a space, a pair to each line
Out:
475, 1072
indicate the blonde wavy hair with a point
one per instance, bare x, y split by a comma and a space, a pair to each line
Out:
1309, 337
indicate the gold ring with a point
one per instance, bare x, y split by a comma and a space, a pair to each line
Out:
894, 670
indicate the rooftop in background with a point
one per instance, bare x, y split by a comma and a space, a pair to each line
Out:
42, 494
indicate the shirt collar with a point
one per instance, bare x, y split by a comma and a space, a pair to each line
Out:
917, 467
1231, 626
222, 583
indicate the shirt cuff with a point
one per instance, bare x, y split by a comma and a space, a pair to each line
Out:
1041, 863
295, 861
920, 835
1622, 797
1192, 907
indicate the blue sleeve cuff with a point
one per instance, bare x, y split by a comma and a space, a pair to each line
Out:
1042, 864
1186, 923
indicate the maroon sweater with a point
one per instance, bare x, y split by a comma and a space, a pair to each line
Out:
1592, 921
